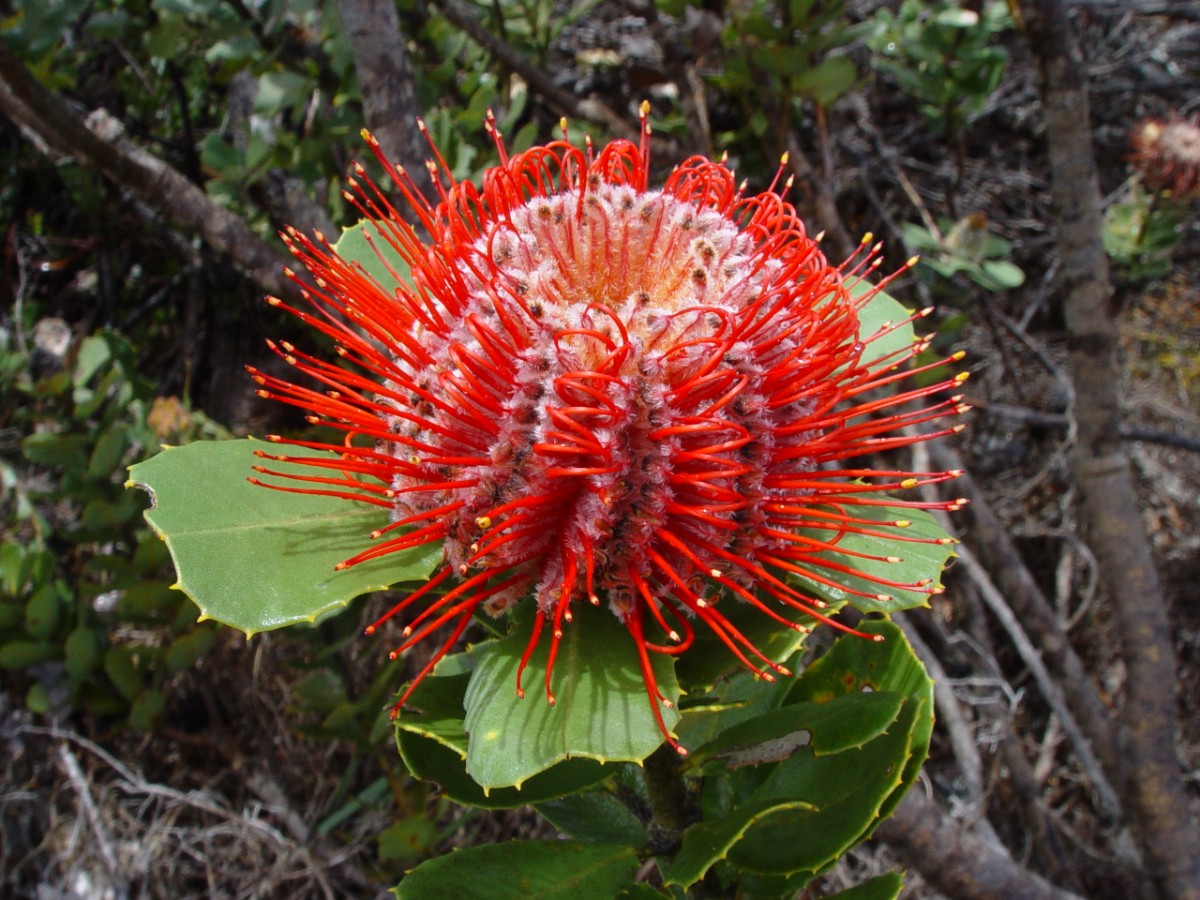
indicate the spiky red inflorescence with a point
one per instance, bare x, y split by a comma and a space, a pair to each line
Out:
591, 390
1167, 154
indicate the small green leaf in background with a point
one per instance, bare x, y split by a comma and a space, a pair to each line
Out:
602, 710
255, 558
524, 870
409, 840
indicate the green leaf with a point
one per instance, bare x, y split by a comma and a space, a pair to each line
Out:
366, 245
107, 454
602, 710
408, 840
640, 891
596, 817
1005, 274
524, 870
47, 449
322, 691
917, 547
278, 90
433, 743
12, 569
843, 723
121, 667
811, 807
881, 312
881, 887
255, 558
849, 791
145, 710
189, 647
708, 842
22, 654
83, 649
824, 83
855, 665
42, 612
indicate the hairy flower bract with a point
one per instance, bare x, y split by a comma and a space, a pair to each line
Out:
592, 390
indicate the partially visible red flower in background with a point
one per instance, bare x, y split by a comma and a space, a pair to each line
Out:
591, 390
1167, 154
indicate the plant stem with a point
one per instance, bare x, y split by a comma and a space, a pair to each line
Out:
670, 805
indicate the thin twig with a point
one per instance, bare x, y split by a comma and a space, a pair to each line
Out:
1048, 687
1031, 605
88, 805
100, 143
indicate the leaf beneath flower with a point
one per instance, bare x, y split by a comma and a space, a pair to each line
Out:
375, 254
882, 311
433, 743
602, 711
257, 559
916, 546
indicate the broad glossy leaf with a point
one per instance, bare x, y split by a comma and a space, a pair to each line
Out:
255, 558
843, 723
854, 665
433, 743
802, 813
708, 842
917, 547
602, 710
596, 817
849, 791
524, 870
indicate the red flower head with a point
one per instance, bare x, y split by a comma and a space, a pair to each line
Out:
1167, 154
591, 390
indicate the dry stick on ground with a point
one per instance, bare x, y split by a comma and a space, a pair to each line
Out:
588, 110
1050, 689
100, 143
385, 79
131, 782
962, 740
87, 804
1031, 607
1155, 791
955, 861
